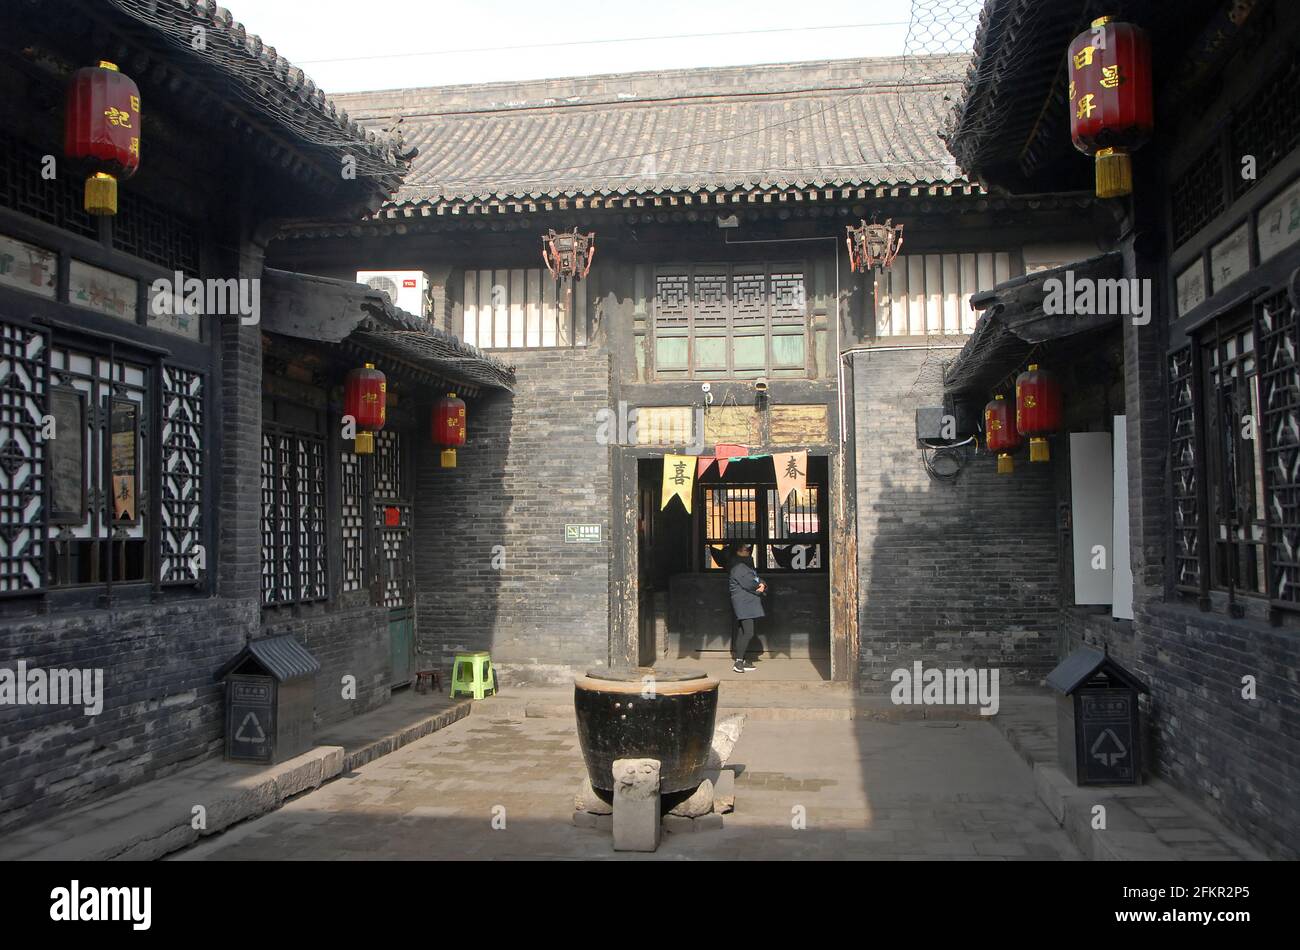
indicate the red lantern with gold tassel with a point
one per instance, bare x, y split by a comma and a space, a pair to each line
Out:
1111, 109
1000, 432
449, 428
101, 132
365, 399
1038, 410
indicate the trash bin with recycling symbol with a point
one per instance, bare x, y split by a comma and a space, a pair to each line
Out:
270, 700
1098, 737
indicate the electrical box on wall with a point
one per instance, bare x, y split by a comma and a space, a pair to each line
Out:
956, 421
966, 413
409, 290
934, 426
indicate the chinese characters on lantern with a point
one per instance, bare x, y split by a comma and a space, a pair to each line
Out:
1110, 100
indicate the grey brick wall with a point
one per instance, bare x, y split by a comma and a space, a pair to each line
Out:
347, 641
954, 573
1239, 758
532, 465
162, 707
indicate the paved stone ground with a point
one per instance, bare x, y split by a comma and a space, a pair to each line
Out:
879, 790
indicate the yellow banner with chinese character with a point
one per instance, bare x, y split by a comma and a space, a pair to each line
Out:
791, 473
679, 479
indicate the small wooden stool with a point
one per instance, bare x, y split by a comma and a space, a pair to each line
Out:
426, 680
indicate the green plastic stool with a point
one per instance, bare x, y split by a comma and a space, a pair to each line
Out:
473, 675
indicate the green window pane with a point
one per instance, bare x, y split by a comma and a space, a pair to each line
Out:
787, 350
749, 352
670, 353
711, 352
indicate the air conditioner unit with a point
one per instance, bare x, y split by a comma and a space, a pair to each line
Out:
409, 290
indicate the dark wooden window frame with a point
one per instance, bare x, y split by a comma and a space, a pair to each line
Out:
300, 539
694, 327
762, 538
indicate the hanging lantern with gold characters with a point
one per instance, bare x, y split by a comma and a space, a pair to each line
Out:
1038, 410
365, 399
1111, 110
1000, 432
448, 428
101, 132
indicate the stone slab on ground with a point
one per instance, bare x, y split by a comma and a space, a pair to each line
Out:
403, 719
804, 791
156, 818
1148, 822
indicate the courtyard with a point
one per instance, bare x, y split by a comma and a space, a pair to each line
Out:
866, 789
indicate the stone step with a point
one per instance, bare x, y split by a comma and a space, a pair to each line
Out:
1148, 822
761, 702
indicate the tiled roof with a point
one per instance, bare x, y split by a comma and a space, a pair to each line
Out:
1011, 127
832, 123
254, 73
310, 307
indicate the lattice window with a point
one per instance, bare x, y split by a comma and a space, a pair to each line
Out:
293, 516
310, 486
672, 300
740, 322
1268, 127
390, 480
1279, 387
181, 478
155, 234
141, 227
23, 385
98, 476
353, 521
57, 201
77, 434
749, 295
1183, 464
1233, 466
794, 530
711, 306
789, 304
785, 537
1198, 194
392, 519
393, 524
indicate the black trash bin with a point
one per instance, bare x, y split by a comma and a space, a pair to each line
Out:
1098, 739
270, 700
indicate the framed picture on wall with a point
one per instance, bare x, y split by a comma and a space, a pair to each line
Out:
124, 459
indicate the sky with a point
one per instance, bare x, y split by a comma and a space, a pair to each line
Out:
351, 45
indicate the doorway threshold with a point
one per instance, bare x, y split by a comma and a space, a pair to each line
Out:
783, 669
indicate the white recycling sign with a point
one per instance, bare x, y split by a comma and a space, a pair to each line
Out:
250, 730
1108, 749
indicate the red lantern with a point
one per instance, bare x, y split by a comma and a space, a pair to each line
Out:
1038, 410
365, 399
102, 132
449, 427
1000, 432
1110, 99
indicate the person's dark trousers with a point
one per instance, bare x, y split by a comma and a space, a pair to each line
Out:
744, 637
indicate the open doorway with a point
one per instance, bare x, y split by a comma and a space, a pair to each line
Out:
685, 604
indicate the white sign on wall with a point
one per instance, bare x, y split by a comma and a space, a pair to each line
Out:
1092, 516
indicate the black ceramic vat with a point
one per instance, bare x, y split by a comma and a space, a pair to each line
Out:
618, 718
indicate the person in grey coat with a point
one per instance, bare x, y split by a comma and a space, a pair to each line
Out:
747, 589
